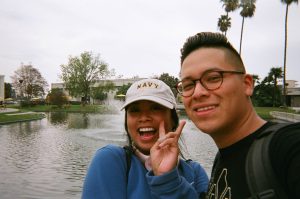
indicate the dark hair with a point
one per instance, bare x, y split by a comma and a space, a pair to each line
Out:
174, 117
207, 39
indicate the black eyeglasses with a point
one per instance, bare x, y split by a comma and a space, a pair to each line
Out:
210, 80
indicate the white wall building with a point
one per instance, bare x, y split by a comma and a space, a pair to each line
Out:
2, 87
117, 83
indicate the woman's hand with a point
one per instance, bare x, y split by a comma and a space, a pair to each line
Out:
164, 153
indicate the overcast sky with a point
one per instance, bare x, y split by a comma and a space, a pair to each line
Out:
138, 37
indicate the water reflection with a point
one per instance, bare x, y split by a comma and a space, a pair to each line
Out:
49, 158
57, 117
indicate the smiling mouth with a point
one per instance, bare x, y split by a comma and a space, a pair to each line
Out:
205, 108
146, 132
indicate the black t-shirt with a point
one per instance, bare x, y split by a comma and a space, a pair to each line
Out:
229, 180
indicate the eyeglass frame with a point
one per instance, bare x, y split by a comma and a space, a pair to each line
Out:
221, 72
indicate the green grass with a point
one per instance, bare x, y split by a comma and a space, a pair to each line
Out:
6, 118
264, 112
26, 115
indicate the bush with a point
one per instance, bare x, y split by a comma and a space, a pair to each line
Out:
57, 97
25, 103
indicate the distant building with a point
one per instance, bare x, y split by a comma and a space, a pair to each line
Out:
291, 83
2, 87
117, 82
293, 94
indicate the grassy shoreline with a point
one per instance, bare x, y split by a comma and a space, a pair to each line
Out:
264, 112
7, 118
34, 113
37, 112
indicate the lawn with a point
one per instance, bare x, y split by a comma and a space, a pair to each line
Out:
17, 117
26, 113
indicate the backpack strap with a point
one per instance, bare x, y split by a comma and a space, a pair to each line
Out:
128, 154
213, 170
262, 182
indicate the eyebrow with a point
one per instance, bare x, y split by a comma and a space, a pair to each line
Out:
208, 70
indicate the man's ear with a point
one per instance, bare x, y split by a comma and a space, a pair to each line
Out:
249, 84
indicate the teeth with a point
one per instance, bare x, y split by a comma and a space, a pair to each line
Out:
206, 108
146, 129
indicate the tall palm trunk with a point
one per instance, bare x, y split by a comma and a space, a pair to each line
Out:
241, 40
284, 57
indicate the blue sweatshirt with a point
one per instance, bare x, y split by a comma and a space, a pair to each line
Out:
106, 178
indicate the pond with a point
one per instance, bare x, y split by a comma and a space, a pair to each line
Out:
49, 158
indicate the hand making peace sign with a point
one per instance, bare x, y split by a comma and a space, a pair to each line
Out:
164, 153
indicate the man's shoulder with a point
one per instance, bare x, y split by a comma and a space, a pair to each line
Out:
290, 127
278, 128
268, 156
287, 131
287, 135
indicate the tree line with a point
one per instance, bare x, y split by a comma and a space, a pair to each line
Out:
267, 93
81, 77
248, 8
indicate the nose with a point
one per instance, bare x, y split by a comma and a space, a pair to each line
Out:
200, 90
144, 116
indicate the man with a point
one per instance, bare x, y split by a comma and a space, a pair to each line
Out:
216, 94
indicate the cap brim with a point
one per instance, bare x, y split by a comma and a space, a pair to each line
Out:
160, 101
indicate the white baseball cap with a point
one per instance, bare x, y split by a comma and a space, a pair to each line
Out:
150, 89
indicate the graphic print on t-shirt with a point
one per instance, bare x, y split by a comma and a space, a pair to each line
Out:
219, 189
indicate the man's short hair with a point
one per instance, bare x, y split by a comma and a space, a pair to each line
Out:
207, 39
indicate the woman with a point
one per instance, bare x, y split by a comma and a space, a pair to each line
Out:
154, 169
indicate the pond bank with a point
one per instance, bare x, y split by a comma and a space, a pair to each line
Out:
15, 114
12, 115
290, 117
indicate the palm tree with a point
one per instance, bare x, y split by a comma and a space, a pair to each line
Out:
248, 9
255, 79
224, 23
230, 6
273, 76
287, 2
